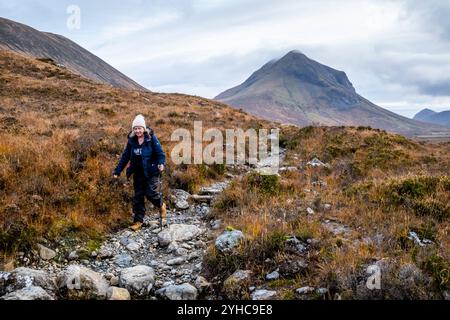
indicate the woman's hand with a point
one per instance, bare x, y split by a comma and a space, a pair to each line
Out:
115, 176
161, 167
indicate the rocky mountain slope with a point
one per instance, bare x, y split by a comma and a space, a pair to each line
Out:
301, 91
62, 51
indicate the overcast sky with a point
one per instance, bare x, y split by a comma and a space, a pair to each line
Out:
396, 53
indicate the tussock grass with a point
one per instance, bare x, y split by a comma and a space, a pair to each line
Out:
379, 187
60, 138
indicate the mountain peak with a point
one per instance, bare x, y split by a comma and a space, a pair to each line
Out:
299, 90
296, 53
428, 115
296, 72
425, 112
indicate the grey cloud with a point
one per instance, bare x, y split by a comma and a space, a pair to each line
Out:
433, 15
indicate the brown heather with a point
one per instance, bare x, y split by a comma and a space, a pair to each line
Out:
61, 135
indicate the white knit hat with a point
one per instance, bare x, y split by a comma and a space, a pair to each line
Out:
139, 121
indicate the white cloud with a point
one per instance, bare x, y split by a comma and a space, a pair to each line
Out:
131, 25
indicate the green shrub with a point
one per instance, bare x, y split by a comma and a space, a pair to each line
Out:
251, 255
438, 267
307, 132
400, 192
417, 195
432, 208
212, 171
17, 237
268, 184
445, 182
283, 141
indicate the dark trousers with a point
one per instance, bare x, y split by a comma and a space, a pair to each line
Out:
145, 187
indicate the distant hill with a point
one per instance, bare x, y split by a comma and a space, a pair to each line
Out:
427, 115
301, 91
60, 50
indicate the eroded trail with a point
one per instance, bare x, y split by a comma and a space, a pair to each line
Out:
148, 264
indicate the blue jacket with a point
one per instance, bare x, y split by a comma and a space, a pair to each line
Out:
152, 155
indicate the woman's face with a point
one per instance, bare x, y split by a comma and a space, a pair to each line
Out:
138, 131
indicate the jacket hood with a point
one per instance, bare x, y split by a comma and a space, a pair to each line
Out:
148, 131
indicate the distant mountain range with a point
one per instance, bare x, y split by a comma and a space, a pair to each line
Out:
427, 115
301, 91
31, 42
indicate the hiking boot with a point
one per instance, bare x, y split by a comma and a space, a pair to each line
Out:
163, 215
136, 226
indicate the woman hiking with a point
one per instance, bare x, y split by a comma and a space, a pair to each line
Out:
147, 159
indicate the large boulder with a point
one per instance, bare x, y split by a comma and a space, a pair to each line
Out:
178, 233
228, 240
23, 277
137, 280
183, 291
79, 282
28, 293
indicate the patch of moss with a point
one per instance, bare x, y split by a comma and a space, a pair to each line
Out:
91, 246
280, 283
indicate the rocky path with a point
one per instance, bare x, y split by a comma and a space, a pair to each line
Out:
167, 264
148, 264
